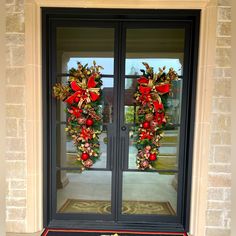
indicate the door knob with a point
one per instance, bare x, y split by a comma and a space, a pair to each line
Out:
123, 128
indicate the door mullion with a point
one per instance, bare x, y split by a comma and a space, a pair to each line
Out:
121, 143
117, 104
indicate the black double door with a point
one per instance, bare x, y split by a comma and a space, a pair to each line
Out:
114, 193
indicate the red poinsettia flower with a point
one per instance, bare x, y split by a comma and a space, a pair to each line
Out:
86, 133
158, 106
160, 118
145, 135
75, 111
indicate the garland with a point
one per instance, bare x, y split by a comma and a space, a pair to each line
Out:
151, 94
82, 94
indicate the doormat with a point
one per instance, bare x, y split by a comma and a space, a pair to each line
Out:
128, 208
79, 232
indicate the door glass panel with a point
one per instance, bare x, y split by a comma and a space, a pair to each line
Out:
85, 44
75, 44
157, 47
152, 192
89, 192
106, 62
149, 193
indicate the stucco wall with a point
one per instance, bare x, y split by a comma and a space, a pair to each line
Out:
219, 178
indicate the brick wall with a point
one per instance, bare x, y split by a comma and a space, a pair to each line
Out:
15, 117
218, 213
219, 179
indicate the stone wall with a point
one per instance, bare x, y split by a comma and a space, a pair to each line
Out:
218, 213
15, 117
219, 184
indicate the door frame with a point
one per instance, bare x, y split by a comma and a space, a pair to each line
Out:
191, 16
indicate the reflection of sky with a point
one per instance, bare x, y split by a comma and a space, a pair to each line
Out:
106, 63
133, 66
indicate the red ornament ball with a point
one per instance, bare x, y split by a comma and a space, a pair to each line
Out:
152, 157
76, 99
89, 122
146, 124
85, 156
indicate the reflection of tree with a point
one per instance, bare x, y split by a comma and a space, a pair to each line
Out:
129, 114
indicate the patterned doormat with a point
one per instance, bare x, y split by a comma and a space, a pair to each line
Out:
128, 208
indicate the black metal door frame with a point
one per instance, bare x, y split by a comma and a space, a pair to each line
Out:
120, 20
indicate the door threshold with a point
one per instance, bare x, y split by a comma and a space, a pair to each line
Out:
75, 232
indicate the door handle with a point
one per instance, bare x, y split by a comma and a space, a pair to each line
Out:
123, 128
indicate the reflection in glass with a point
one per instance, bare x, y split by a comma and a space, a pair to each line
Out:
106, 63
85, 44
133, 65
107, 99
157, 47
129, 101
89, 192
149, 193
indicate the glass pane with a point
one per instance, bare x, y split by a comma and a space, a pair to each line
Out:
158, 47
162, 47
149, 193
85, 44
130, 103
87, 192
107, 99
67, 153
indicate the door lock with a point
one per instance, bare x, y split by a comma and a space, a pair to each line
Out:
123, 128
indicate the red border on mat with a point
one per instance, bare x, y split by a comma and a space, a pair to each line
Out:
46, 231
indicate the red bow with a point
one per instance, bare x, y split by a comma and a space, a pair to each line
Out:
143, 80
163, 88
89, 94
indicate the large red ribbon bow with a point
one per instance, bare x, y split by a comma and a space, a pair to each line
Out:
163, 88
85, 92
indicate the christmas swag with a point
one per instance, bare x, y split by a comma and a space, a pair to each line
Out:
82, 94
152, 91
